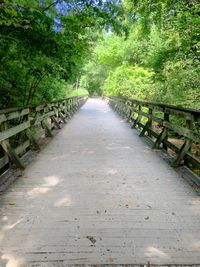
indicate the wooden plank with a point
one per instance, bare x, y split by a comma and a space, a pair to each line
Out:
184, 149
13, 115
180, 113
166, 118
153, 118
43, 116
62, 117
17, 114
47, 128
135, 207
39, 108
2, 118
5, 160
14, 130
161, 137
22, 148
32, 139
182, 131
56, 122
162, 106
8, 110
138, 119
189, 157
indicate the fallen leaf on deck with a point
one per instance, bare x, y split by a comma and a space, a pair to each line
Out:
12, 203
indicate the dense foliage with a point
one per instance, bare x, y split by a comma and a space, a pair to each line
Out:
157, 60
146, 49
43, 44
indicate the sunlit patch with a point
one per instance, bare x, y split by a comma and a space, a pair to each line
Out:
87, 151
51, 181
155, 252
4, 219
196, 245
63, 202
12, 261
90, 152
11, 226
111, 171
37, 191
118, 147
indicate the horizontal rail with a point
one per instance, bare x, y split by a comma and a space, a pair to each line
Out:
169, 127
22, 128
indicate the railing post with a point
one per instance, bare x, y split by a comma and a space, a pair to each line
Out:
166, 118
148, 124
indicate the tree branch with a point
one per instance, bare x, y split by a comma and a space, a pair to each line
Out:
52, 4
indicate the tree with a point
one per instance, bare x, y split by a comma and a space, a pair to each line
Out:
45, 40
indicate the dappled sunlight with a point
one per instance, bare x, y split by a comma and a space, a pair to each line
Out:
4, 219
63, 202
89, 152
11, 226
50, 181
37, 191
118, 147
111, 171
12, 261
155, 252
8, 227
60, 156
95, 104
196, 245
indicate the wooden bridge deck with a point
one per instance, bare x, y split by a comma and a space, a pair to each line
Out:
98, 195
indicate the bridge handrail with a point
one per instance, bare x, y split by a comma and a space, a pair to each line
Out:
161, 122
161, 105
22, 127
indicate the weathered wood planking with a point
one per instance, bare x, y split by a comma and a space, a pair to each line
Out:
136, 111
27, 121
99, 195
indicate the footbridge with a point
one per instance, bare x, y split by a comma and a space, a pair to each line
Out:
97, 188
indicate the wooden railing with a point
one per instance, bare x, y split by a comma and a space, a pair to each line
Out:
171, 128
22, 129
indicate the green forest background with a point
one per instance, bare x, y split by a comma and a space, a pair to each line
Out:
147, 50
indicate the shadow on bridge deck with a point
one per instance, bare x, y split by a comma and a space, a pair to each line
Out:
98, 195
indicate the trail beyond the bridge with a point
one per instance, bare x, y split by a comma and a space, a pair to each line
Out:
98, 194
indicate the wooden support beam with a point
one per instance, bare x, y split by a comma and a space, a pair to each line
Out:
32, 139
138, 119
160, 138
54, 119
7, 133
166, 118
47, 128
12, 154
147, 125
62, 117
181, 154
